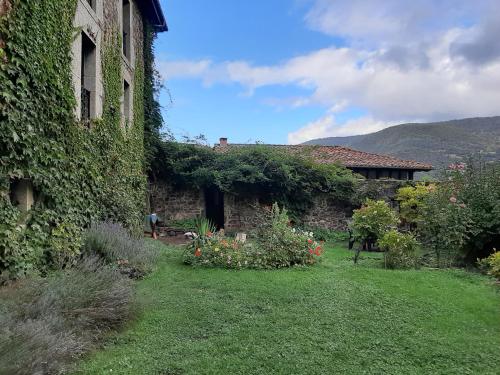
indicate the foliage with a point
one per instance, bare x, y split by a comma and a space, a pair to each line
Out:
307, 321
113, 243
328, 235
445, 228
277, 245
275, 175
491, 264
153, 119
45, 323
400, 249
79, 174
477, 187
412, 202
372, 220
462, 217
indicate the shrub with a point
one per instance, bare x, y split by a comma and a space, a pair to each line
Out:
491, 264
400, 249
277, 245
114, 244
412, 200
372, 220
445, 228
46, 323
462, 215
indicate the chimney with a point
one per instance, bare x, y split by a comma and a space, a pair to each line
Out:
223, 142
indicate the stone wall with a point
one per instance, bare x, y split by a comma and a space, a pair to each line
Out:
171, 204
244, 212
328, 213
241, 212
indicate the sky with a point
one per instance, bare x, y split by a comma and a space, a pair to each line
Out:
287, 71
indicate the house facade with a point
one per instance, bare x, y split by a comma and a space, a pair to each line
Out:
74, 77
380, 177
95, 21
95, 18
369, 165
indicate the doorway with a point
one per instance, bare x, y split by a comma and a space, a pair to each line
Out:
214, 206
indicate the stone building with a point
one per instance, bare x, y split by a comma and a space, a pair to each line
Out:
383, 175
92, 18
369, 165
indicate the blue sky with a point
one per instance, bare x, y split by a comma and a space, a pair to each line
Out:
285, 71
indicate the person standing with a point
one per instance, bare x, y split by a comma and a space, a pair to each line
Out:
153, 220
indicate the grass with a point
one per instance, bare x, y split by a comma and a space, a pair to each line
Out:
333, 318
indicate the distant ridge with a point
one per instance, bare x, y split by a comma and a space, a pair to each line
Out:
438, 143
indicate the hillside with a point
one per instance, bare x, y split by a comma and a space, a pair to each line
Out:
438, 143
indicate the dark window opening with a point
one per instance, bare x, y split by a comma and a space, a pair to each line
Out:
126, 27
91, 3
88, 79
126, 101
214, 206
22, 194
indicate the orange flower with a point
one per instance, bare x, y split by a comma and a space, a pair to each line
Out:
317, 252
197, 253
209, 234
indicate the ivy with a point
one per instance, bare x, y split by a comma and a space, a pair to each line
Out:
79, 174
261, 171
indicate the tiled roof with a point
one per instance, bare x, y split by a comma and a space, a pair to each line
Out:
344, 156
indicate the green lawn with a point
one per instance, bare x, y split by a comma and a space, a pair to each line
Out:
333, 318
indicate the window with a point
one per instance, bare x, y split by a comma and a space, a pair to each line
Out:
88, 79
126, 28
126, 102
21, 194
91, 3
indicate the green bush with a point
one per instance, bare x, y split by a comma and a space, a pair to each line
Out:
276, 245
114, 244
46, 323
462, 215
491, 264
412, 200
401, 249
372, 220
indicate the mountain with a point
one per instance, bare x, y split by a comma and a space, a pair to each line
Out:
438, 143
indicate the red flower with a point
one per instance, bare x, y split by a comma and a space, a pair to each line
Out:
317, 252
309, 240
310, 251
197, 253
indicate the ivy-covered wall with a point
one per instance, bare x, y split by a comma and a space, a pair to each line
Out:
79, 174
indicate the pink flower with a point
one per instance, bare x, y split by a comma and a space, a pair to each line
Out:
311, 251
453, 200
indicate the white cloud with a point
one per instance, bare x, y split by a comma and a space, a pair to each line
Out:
403, 60
327, 127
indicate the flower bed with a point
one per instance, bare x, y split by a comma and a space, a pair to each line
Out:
276, 245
